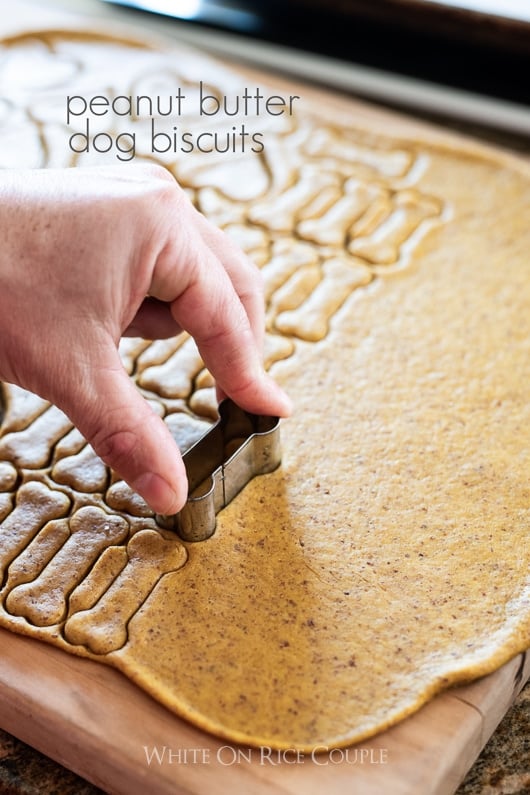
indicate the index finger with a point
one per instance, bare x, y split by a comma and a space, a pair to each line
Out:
243, 273
205, 302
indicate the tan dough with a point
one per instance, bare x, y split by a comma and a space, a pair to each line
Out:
388, 557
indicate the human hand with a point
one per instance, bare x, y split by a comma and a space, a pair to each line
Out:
82, 249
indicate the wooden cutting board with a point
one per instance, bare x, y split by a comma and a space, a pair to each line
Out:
92, 720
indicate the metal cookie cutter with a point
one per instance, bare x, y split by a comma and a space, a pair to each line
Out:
239, 446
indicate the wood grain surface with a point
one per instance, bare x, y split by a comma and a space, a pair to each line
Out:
91, 719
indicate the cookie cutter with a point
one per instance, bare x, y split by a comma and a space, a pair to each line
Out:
219, 465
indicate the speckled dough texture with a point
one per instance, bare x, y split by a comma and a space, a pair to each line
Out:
388, 557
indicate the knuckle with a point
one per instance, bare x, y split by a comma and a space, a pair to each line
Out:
156, 172
161, 173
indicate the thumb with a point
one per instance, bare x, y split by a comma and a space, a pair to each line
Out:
127, 435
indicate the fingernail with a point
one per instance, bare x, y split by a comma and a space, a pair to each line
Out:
158, 494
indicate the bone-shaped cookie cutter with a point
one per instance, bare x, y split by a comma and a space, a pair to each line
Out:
239, 446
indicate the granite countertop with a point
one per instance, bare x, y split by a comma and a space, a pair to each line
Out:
503, 767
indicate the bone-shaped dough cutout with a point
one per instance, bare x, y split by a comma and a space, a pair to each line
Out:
387, 162
285, 262
174, 378
275, 348
32, 560
43, 601
217, 208
103, 628
69, 445
21, 408
310, 321
6, 505
294, 292
280, 214
8, 476
384, 244
8, 479
98, 580
129, 350
84, 471
36, 504
159, 352
33, 447
332, 227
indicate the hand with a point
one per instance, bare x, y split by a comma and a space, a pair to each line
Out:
81, 251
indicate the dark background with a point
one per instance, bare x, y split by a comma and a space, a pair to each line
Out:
474, 51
